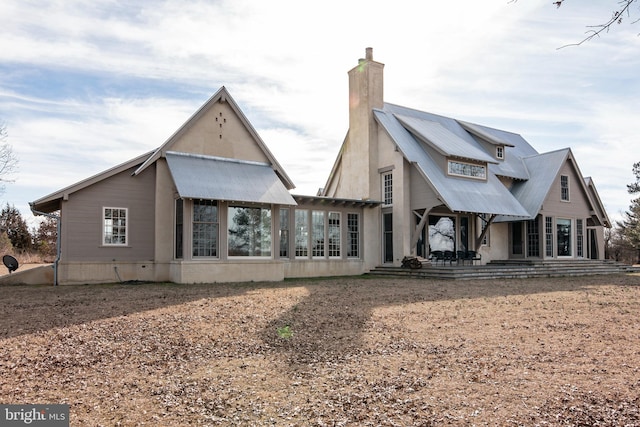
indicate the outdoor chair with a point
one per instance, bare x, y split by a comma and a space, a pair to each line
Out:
462, 256
449, 256
473, 256
437, 256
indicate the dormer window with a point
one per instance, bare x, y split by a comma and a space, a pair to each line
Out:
500, 152
467, 170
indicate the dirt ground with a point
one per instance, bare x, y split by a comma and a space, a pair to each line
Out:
328, 352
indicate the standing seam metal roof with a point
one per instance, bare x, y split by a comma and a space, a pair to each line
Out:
458, 194
215, 178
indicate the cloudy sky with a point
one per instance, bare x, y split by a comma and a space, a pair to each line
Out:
85, 86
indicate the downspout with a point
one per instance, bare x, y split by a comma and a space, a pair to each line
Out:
55, 262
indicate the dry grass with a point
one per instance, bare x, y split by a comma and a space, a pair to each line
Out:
347, 351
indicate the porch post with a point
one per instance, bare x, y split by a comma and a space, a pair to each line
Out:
415, 236
484, 232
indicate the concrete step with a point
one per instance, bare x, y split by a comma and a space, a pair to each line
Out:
512, 269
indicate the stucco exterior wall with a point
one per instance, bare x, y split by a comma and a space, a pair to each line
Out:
498, 247
165, 197
219, 132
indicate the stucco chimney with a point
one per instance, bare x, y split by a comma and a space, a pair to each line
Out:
365, 94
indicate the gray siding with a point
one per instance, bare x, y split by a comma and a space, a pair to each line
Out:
578, 205
82, 218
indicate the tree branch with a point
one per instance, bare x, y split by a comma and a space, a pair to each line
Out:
615, 18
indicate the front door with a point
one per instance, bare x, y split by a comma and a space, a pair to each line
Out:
517, 240
387, 236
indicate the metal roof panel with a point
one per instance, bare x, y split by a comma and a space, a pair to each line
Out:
215, 178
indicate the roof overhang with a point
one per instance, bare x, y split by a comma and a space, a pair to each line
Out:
338, 202
217, 178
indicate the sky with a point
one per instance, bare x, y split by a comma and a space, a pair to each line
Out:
85, 86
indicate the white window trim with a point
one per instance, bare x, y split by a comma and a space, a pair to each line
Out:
126, 227
359, 241
328, 248
500, 152
479, 178
568, 199
249, 257
383, 183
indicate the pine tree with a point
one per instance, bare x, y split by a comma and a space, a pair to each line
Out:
630, 226
12, 222
44, 237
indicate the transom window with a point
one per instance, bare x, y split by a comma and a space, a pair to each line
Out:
114, 230
564, 188
468, 170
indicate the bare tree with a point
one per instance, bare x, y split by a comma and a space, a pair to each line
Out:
621, 13
8, 159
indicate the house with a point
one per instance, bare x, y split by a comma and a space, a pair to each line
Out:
212, 204
446, 184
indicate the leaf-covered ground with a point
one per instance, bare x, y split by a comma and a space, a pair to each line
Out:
328, 352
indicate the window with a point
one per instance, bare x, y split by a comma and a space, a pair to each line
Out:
302, 232
533, 238
284, 233
500, 152
564, 188
579, 238
114, 229
249, 231
468, 170
387, 188
353, 235
563, 228
317, 227
334, 234
205, 228
548, 236
179, 237
484, 223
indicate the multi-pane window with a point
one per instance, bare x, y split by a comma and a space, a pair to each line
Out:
579, 238
249, 231
548, 236
500, 152
179, 237
284, 232
563, 228
317, 224
387, 188
564, 188
533, 238
114, 226
353, 235
205, 228
302, 232
468, 170
334, 234
484, 223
